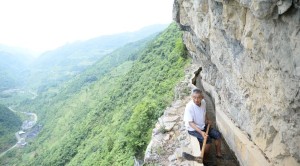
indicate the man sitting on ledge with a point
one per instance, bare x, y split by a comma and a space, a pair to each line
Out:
196, 122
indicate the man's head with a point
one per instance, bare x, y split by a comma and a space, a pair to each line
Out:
197, 96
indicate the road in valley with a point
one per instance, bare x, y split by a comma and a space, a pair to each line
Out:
27, 125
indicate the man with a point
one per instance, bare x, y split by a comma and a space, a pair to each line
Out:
196, 121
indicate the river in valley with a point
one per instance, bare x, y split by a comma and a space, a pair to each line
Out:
29, 128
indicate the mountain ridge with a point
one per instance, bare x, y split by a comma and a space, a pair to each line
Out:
71, 59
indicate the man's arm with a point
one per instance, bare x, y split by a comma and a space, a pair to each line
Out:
194, 126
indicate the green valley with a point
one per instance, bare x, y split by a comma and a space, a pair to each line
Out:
9, 124
105, 115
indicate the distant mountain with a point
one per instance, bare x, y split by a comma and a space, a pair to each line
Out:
61, 64
13, 66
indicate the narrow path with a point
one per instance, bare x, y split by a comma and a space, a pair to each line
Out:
211, 160
19, 138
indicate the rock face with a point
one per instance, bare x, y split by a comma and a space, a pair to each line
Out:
249, 52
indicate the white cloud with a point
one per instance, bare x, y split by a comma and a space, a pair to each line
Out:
45, 24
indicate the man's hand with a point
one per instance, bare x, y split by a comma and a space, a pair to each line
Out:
194, 126
204, 135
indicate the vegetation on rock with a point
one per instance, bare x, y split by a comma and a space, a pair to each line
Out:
105, 115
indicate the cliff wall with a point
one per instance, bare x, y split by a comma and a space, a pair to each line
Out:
249, 51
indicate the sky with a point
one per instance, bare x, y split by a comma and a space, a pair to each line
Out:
40, 25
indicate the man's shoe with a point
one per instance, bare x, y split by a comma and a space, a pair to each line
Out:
188, 156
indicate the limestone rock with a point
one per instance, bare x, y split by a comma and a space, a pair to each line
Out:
167, 119
249, 52
172, 158
284, 5
169, 125
167, 137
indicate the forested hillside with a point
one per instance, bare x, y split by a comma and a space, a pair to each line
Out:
59, 65
9, 124
105, 115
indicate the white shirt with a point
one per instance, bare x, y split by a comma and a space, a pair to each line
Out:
196, 114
